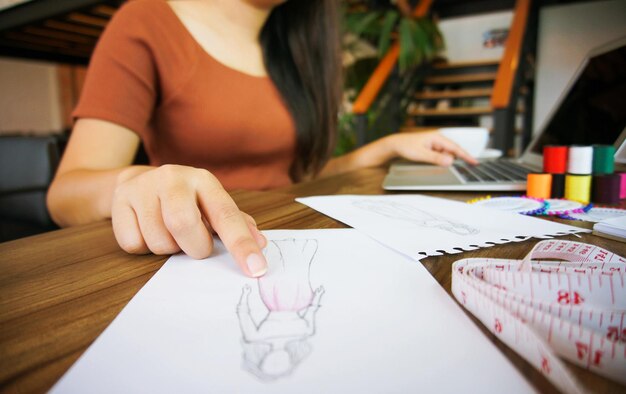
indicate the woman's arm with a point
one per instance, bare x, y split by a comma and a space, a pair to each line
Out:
429, 147
99, 154
159, 209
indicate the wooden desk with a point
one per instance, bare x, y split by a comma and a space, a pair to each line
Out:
59, 291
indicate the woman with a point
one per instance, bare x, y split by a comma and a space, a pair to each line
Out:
223, 94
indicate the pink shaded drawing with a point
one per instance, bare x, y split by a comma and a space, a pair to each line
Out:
274, 346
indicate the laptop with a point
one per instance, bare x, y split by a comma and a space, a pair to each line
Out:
592, 110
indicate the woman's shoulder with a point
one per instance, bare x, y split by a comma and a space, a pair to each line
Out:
152, 23
142, 7
142, 13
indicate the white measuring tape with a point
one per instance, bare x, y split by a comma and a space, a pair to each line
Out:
574, 308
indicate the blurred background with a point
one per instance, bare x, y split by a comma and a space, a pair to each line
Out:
499, 64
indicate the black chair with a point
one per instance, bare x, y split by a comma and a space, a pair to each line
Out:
27, 165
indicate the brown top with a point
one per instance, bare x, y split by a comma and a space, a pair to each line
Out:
150, 75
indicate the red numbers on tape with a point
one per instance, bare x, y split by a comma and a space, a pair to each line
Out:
569, 298
614, 335
545, 365
601, 256
585, 250
498, 326
582, 351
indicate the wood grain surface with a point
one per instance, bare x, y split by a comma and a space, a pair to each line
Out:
59, 290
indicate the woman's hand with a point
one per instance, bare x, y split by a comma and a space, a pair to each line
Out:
427, 147
163, 210
172, 208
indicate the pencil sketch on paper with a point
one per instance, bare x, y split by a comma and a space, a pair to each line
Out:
415, 216
274, 346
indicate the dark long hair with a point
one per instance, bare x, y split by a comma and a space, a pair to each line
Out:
300, 43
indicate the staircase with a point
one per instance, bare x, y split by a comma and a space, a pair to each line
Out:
455, 94
496, 94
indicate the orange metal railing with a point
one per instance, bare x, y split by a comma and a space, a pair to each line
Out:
505, 78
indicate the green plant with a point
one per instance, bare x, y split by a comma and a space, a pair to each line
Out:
419, 38
346, 138
346, 131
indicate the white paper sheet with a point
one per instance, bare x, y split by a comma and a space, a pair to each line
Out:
339, 313
420, 226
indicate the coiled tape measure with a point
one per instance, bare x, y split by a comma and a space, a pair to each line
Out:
574, 308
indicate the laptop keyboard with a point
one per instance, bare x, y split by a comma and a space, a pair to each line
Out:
492, 171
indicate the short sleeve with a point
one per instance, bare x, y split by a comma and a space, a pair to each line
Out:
120, 86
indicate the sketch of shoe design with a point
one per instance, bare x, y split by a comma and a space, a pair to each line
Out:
415, 216
276, 345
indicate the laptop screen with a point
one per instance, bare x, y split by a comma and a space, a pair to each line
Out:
593, 109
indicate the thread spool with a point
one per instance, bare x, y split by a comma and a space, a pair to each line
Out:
580, 160
555, 159
622, 192
539, 185
603, 161
606, 188
558, 186
578, 188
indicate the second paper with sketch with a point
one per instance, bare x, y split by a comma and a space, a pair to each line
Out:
420, 226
